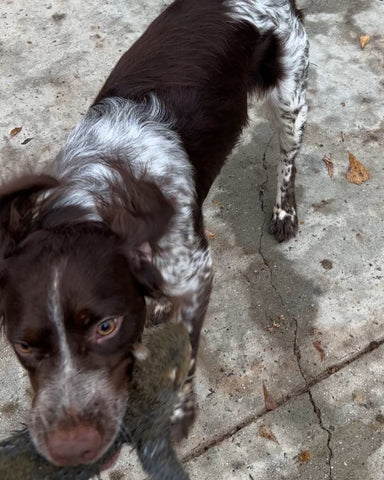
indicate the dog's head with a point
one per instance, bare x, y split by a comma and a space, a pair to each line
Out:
73, 302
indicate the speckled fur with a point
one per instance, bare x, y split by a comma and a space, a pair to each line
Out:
134, 173
287, 101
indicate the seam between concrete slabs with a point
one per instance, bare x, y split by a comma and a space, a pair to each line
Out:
329, 372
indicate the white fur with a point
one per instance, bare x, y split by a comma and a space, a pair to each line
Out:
141, 136
287, 102
56, 316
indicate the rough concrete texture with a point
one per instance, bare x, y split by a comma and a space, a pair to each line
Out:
277, 316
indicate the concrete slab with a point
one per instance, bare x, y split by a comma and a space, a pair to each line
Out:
350, 405
298, 449
342, 307
334, 431
277, 316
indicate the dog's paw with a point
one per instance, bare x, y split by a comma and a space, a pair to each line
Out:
283, 225
184, 413
181, 423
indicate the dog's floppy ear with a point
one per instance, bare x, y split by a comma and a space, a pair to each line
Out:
17, 201
139, 216
140, 224
143, 215
146, 274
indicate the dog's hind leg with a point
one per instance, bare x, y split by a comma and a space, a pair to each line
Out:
288, 107
280, 68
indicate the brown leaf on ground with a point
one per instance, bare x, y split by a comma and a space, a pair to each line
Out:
380, 418
15, 131
327, 264
364, 40
358, 397
270, 403
357, 173
329, 165
342, 135
218, 204
276, 323
304, 456
266, 432
320, 349
210, 234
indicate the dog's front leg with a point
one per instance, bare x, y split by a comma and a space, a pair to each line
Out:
189, 289
192, 314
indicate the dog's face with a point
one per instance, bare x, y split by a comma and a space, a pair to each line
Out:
73, 301
72, 320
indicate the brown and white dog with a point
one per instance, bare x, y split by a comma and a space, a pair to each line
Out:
115, 224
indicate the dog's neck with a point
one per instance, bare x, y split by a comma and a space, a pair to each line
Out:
115, 135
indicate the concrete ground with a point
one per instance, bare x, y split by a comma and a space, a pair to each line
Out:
303, 319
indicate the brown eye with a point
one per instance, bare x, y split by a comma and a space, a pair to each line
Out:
23, 348
106, 327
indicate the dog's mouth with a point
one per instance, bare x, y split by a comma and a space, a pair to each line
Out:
83, 443
84, 431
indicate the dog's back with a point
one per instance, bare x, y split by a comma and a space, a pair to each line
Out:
200, 63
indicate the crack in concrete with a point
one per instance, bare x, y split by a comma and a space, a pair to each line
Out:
261, 197
305, 389
317, 411
296, 349
260, 250
262, 186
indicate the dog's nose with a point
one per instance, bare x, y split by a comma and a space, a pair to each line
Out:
79, 445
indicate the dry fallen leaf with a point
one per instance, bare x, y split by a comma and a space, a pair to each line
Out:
329, 165
210, 234
15, 131
320, 349
358, 397
342, 135
276, 323
304, 456
327, 264
380, 418
357, 173
270, 403
364, 40
218, 204
266, 432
